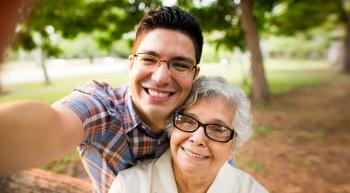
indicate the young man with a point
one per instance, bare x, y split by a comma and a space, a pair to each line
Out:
114, 128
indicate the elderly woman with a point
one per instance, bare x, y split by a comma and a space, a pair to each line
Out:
212, 123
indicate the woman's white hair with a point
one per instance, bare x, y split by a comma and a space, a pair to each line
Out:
214, 86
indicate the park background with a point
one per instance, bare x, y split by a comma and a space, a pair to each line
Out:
290, 57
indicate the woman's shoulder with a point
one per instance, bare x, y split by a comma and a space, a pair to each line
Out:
238, 180
133, 180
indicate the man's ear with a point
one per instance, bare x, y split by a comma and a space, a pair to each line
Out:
131, 59
196, 73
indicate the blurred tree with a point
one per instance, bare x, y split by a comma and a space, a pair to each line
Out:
109, 20
292, 16
11, 12
237, 24
259, 86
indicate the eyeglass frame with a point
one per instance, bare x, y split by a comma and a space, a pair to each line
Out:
194, 66
233, 133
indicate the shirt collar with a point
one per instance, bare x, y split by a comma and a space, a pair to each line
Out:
163, 179
131, 119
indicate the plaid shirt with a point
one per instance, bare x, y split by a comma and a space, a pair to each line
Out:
114, 136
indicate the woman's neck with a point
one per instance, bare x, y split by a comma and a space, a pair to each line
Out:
191, 183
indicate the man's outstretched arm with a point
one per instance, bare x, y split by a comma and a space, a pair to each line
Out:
33, 133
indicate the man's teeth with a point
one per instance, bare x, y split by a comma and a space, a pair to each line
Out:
194, 154
158, 94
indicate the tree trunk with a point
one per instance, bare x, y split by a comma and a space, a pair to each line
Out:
37, 180
346, 64
259, 90
43, 67
344, 18
1, 87
9, 16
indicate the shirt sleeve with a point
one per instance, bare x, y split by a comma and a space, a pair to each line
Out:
93, 103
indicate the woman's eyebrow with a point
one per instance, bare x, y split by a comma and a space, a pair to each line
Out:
218, 121
190, 114
214, 121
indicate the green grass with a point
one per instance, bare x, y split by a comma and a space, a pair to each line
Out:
58, 89
282, 75
64, 165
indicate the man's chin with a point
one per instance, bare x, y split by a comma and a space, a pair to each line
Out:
158, 112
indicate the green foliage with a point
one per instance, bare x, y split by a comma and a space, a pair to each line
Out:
291, 16
224, 16
221, 16
106, 20
109, 20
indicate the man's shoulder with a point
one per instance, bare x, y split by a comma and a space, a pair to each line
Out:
93, 94
101, 88
96, 103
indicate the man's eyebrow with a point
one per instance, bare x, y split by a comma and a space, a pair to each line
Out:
182, 58
149, 52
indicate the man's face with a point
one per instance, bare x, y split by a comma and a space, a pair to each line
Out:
156, 94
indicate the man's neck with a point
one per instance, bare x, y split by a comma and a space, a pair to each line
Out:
156, 124
156, 127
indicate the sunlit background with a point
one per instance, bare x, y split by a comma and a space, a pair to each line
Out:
302, 127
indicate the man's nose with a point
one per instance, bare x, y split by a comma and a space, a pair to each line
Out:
161, 74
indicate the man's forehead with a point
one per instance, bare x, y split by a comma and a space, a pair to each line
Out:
166, 43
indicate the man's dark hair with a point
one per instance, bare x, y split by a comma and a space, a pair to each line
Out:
172, 18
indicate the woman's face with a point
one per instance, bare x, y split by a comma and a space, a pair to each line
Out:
196, 154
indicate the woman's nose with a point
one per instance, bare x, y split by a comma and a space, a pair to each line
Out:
198, 136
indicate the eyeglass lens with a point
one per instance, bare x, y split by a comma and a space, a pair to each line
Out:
176, 67
215, 132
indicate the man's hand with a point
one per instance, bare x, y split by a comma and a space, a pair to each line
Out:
33, 133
